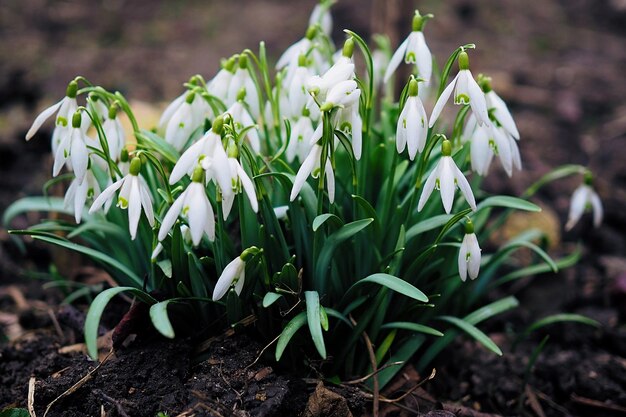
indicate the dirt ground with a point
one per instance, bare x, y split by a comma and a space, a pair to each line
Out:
558, 63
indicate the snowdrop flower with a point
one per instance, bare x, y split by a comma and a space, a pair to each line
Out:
584, 197
469, 254
311, 166
498, 107
342, 94
289, 58
414, 51
321, 16
211, 153
242, 80
446, 177
299, 142
281, 212
73, 146
78, 193
380, 61
242, 119
342, 70
218, 86
64, 110
186, 117
194, 204
412, 124
114, 132
350, 123
466, 91
234, 274
184, 231
134, 195
297, 94
240, 181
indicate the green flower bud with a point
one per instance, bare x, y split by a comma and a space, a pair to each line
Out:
218, 125
302, 60
326, 107
413, 88
112, 111
348, 48
418, 22
306, 112
76, 119
446, 148
463, 61
241, 95
243, 61
135, 166
485, 83
124, 157
232, 150
311, 32
72, 89
469, 227
588, 178
229, 64
190, 98
198, 175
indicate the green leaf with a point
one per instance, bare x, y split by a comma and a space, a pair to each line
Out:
558, 318
166, 266
14, 412
152, 141
312, 299
322, 218
414, 327
290, 329
270, 298
560, 172
331, 243
94, 254
427, 225
508, 202
393, 283
160, 319
30, 204
468, 328
491, 310
562, 263
95, 312
547, 259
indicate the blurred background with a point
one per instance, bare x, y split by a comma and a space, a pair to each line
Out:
558, 63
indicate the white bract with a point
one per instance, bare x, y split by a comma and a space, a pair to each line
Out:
73, 147
469, 255
193, 204
584, 197
414, 51
78, 192
446, 177
466, 91
134, 195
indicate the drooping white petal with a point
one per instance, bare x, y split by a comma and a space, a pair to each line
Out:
134, 206
596, 205
464, 186
330, 181
79, 200
61, 154
180, 126
41, 118
305, 170
474, 255
343, 93
357, 132
462, 259
240, 281
429, 186
172, 214
106, 195
481, 152
402, 129
189, 159
501, 113
577, 206
446, 182
231, 272
424, 58
477, 100
170, 110
248, 187
503, 147
79, 155
443, 98
146, 201
396, 58
196, 211
412, 126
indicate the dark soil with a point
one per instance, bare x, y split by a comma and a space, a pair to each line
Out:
559, 64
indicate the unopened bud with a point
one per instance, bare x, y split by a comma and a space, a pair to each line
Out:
112, 111
311, 32
469, 227
135, 166
446, 148
218, 124
198, 175
243, 61
76, 120
348, 48
463, 61
413, 88
190, 98
72, 89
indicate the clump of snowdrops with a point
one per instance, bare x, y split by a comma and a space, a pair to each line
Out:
344, 220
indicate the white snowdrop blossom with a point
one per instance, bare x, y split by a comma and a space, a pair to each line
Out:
114, 132
350, 123
342, 70
134, 195
300, 139
78, 192
64, 110
186, 117
446, 176
311, 166
466, 91
584, 197
500, 111
220, 84
193, 204
73, 147
243, 81
469, 254
242, 119
321, 16
412, 125
298, 97
233, 274
240, 182
414, 51
209, 151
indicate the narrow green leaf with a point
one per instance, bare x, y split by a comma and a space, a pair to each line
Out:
427, 225
94, 254
312, 299
414, 327
473, 331
393, 283
95, 312
30, 204
322, 218
559, 318
270, 298
491, 310
290, 329
14, 412
562, 263
508, 202
160, 319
